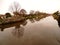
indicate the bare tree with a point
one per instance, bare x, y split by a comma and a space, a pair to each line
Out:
37, 12
15, 8
32, 12
23, 11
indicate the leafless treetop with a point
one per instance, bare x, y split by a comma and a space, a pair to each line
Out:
15, 7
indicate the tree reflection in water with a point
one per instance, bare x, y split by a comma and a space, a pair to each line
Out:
57, 17
37, 18
32, 20
18, 31
58, 22
24, 23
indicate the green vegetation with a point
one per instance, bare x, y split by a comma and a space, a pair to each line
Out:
8, 15
19, 12
1, 20
56, 15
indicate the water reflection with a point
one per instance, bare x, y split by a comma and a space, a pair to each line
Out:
32, 20
18, 31
37, 18
24, 23
16, 24
43, 32
58, 20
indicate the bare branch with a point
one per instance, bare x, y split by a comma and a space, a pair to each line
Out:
15, 7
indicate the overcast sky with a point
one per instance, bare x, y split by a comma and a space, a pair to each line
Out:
48, 6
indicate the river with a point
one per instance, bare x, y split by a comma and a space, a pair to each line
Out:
32, 32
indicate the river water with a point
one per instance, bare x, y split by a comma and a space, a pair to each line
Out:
32, 32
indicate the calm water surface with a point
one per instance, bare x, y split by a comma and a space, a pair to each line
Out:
33, 32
